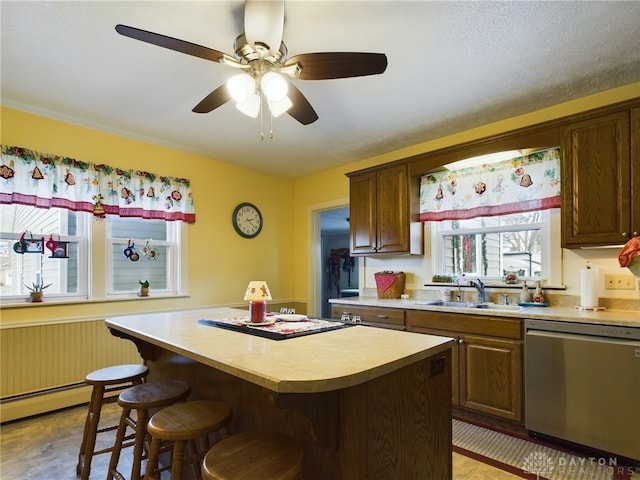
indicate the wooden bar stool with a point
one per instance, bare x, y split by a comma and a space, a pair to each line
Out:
182, 425
105, 380
253, 455
142, 398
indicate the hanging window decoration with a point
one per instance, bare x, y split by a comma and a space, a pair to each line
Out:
29, 245
149, 251
130, 251
98, 208
31, 178
522, 184
58, 248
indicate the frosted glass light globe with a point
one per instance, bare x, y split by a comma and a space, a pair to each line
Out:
274, 86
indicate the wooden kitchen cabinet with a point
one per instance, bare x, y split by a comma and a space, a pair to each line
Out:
601, 180
392, 318
487, 361
380, 212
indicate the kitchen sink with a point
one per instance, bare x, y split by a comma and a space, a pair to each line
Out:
465, 305
440, 303
499, 306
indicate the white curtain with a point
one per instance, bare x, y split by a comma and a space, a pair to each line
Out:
42, 180
522, 184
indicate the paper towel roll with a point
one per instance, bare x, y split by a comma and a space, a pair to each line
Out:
589, 287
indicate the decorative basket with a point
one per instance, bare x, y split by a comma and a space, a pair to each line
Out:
390, 284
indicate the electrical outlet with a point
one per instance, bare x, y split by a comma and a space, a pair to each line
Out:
619, 281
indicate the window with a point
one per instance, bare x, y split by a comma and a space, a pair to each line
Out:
492, 246
490, 216
140, 250
58, 252
75, 253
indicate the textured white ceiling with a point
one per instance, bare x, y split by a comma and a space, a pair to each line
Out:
452, 66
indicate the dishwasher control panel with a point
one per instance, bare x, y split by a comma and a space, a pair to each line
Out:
599, 330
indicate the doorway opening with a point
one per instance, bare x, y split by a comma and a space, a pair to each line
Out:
338, 270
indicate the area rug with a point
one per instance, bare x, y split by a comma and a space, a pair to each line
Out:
532, 459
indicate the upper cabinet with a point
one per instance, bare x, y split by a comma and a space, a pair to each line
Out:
381, 212
601, 180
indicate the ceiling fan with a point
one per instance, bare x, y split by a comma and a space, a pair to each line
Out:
261, 56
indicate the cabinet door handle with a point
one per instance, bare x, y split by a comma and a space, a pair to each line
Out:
625, 234
636, 234
461, 341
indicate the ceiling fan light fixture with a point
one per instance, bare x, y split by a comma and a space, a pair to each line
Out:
274, 86
251, 106
241, 87
280, 106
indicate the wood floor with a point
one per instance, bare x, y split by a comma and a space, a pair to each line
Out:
46, 448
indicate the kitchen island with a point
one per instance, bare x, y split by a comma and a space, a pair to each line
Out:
365, 402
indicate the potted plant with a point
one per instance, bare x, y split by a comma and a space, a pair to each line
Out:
36, 289
144, 288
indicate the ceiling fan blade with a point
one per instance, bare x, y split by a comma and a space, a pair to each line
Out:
325, 66
171, 43
301, 109
264, 23
215, 99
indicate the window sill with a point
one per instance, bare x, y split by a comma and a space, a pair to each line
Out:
489, 284
25, 303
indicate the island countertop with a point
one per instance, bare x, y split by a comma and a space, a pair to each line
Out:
321, 362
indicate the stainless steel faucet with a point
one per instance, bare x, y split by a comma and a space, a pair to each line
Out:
480, 288
459, 290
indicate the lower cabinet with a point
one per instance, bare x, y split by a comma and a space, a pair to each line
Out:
487, 360
392, 318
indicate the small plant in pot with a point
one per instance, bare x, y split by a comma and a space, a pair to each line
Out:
36, 289
144, 288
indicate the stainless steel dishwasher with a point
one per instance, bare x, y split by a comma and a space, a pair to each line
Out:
582, 384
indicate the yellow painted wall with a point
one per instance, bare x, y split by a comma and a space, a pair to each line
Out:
329, 187
220, 264
220, 261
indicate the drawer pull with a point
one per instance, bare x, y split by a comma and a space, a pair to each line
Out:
382, 316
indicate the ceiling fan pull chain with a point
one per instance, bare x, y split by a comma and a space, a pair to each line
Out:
261, 120
270, 125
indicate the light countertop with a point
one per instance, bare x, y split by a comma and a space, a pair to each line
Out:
627, 318
320, 362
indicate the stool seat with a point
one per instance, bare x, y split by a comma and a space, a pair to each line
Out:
142, 398
154, 394
275, 456
183, 424
105, 380
188, 420
116, 374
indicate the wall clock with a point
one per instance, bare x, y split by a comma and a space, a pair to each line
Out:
247, 220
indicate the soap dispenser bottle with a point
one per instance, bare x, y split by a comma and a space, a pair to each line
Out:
538, 296
524, 294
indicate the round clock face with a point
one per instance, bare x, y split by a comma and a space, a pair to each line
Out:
247, 220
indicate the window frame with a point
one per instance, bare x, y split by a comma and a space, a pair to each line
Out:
94, 271
173, 241
549, 225
82, 239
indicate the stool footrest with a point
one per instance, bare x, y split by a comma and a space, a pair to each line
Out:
104, 381
107, 429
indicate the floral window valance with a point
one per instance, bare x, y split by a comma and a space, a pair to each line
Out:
522, 184
41, 180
